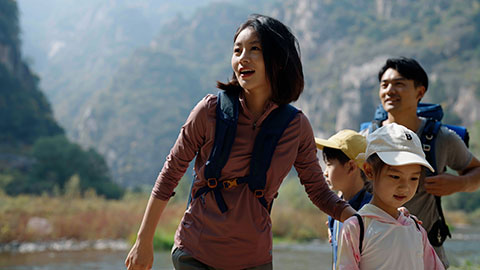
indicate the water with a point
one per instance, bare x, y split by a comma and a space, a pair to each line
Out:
286, 257
464, 247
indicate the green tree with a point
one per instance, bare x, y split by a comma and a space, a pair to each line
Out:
56, 161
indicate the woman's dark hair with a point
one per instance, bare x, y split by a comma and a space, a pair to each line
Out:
378, 164
281, 55
408, 68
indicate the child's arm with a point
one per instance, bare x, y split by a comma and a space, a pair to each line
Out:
430, 258
348, 249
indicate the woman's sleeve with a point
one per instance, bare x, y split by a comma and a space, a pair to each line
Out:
431, 261
189, 141
311, 174
348, 250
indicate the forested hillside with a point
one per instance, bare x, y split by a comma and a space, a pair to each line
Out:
134, 115
343, 44
136, 119
77, 46
35, 155
24, 110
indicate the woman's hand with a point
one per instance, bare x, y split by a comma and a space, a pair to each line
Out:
140, 257
346, 213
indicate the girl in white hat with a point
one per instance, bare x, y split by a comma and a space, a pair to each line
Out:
381, 237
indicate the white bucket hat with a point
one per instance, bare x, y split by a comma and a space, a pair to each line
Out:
396, 145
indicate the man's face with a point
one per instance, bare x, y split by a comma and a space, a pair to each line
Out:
398, 94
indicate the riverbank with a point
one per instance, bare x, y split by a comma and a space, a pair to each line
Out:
43, 219
94, 233
41, 223
57, 221
63, 245
463, 255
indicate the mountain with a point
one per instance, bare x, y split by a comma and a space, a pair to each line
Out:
135, 120
25, 114
77, 46
346, 42
130, 106
35, 155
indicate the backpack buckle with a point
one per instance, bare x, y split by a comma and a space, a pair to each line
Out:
212, 182
228, 184
426, 147
259, 193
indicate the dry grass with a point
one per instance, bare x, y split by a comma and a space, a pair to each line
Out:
294, 217
93, 218
75, 218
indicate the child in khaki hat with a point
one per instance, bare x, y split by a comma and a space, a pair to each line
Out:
343, 174
380, 236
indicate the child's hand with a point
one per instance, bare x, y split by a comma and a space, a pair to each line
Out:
329, 232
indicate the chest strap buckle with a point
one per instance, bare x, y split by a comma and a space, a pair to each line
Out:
228, 184
212, 182
259, 193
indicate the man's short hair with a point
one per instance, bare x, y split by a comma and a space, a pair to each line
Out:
409, 68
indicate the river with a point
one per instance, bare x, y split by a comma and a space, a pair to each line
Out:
462, 249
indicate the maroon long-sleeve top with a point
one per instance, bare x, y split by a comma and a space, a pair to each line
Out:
241, 237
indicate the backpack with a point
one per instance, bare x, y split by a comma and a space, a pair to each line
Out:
434, 114
363, 197
265, 143
362, 230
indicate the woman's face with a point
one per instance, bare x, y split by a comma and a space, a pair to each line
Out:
247, 61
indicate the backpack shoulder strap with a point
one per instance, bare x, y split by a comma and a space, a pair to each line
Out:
225, 131
362, 231
416, 223
264, 147
428, 139
265, 143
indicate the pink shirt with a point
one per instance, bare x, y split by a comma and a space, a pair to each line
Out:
241, 237
388, 243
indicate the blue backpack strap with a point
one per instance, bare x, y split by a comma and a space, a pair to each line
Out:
265, 143
225, 131
428, 139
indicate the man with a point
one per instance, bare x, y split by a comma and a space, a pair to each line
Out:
403, 83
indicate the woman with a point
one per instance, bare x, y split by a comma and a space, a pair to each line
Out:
267, 73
